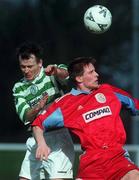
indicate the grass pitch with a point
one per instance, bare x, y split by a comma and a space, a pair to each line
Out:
10, 163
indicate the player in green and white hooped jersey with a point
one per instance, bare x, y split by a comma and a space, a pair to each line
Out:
37, 89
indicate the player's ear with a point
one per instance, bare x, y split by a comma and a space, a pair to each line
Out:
40, 63
79, 79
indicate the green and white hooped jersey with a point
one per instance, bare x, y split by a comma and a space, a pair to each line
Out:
28, 93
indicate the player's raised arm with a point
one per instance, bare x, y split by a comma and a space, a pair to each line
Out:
57, 70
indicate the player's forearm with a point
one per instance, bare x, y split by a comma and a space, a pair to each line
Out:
38, 134
33, 112
61, 73
42, 151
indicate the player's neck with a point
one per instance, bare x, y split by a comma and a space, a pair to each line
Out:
80, 88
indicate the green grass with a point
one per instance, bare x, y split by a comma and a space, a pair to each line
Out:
10, 162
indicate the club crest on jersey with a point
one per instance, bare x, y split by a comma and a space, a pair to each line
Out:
97, 113
100, 98
33, 89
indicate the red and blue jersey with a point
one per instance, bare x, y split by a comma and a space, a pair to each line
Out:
94, 117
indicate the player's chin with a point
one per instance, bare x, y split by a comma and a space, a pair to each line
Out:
29, 78
96, 85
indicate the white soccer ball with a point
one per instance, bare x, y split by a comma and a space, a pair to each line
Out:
97, 19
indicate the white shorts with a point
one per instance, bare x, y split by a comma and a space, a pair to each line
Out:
59, 163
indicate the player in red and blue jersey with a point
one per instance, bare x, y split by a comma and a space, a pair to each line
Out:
92, 112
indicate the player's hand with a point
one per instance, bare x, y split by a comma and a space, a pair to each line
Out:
42, 152
42, 103
51, 70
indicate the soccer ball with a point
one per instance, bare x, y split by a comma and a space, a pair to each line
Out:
97, 19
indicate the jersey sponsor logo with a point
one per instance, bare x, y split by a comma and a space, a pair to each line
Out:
100, 98
35, 101
97, 113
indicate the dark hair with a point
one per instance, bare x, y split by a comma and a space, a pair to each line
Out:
76, 67
27, 48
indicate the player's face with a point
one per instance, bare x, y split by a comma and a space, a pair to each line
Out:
30, 67
89, 79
